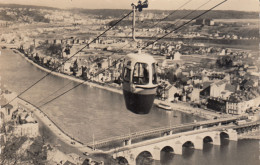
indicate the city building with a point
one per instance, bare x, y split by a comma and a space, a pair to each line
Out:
217, 88
240, 107
208, 22
25, 124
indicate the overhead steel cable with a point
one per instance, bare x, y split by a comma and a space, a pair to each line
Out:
189, 14
70, 82
180, 18
101, 71
171, 13
70, 57
73, 87
185, 24
183, 18
142, 48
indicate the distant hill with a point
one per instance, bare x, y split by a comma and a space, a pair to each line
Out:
116, 13
26, 15
27, 6
215, 14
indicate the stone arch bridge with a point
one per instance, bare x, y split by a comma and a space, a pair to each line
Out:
175, 142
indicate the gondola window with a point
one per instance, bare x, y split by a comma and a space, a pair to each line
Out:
141, 74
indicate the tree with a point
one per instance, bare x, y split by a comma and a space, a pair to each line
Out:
75, 67
37, 152
9, 152
225, 61
54, 49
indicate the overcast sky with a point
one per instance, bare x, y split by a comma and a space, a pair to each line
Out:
242, 5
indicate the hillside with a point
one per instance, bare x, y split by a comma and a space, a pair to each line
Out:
12, 6
115, 13
215, 14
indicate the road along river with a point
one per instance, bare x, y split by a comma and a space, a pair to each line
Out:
84, 111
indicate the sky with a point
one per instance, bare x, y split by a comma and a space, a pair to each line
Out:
241, 5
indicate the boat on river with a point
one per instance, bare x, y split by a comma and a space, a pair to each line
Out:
164, 106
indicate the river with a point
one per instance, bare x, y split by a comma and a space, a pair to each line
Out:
87, 111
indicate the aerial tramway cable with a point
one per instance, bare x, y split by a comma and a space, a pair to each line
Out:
140, 81
124, 46
69, 57
184, 17
142, 48
185, 24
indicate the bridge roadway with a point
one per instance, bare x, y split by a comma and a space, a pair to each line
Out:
161, 130
177, 135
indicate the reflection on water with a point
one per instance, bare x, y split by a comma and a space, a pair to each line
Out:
84, 111
229, 153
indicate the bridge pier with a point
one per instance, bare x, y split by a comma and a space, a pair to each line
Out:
232, 135
198, 143
131, 161
156, 153
178, 148
217, 140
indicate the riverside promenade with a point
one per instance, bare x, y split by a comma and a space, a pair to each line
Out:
184, 107
56, 130
70, 77
74, 143
175, 106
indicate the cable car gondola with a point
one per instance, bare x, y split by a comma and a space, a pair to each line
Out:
139, 82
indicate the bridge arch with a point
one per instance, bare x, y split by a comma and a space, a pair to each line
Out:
144, 157
166, 155
167, 149
188, 144
121, 160
208, 139
188, 148
224, 135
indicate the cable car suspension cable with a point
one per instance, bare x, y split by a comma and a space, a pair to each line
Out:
101, 71
185, 24
142, 48
68, 58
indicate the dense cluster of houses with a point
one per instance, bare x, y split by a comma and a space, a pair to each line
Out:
15, 120
235, 91
189, 82
91, 67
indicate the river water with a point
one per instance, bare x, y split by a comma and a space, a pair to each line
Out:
88, 112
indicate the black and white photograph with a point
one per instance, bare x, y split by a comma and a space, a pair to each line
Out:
129, 82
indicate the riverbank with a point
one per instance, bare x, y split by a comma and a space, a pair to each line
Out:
185, 108
55, 129
250, 135
70, 77
59, 139
176, 106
